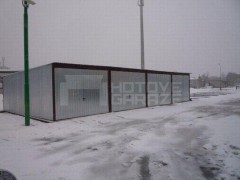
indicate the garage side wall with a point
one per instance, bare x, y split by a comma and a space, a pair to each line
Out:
180, 87
40, 84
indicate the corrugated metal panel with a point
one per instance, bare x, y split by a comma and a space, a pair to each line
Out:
159, 89
180, 88
40, 84
186, 88
13, 96
41, 92
80, 92
128, 90
177, 88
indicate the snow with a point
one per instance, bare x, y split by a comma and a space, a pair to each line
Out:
193, 140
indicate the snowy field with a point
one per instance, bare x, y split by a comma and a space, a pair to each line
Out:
194, 140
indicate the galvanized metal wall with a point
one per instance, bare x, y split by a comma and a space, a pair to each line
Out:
180, 88
40, 82
80, 92
159, 89
13, 94
128, 90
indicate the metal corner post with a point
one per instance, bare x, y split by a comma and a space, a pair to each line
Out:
26, 69
109, 91
171, 89
189, 85
53, 92
146, 88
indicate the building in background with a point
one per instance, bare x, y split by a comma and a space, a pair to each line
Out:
213, 82
197, 83
2, 74
4, 71
217, 83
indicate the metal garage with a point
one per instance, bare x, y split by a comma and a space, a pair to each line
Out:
61, 91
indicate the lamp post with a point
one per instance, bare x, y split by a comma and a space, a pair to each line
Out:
220, 76
141, 4
26, 4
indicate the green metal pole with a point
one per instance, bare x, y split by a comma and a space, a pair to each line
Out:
26, 71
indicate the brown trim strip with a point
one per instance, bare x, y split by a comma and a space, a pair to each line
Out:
93, 67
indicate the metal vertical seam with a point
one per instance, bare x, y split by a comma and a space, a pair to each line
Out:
3, 92
171, 89
109, 91
189, 87
146, 88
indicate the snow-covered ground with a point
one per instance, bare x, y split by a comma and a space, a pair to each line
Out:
193, 140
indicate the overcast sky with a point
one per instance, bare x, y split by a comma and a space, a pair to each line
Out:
180, 35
